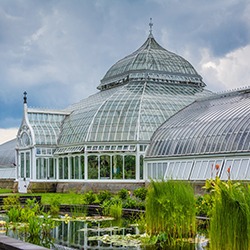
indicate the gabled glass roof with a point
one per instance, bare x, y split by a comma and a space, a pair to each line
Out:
211, 126
131, 112
151, 61
46, 125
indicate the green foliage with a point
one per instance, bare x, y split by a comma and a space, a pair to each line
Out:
103, 195
55, 206
79, 210
133, 203
230, 217
37, 224
89, 198
10, 202
5, 190
113, 207
123, 194
14, 214
140, 193
170, 211
204, 205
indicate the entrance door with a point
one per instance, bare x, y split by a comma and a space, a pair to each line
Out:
24, 171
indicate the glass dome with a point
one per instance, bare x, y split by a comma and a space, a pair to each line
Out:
131, 112
151, 61
215, 125
137, 95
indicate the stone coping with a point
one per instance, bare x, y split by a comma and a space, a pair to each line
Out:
8, 243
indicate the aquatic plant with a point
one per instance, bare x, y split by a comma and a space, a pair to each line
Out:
170, 211
113, 207
230, 217
54, 206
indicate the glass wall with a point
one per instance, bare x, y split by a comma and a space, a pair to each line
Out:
111, 166
45, 168
25, 164
99, 167
200, 169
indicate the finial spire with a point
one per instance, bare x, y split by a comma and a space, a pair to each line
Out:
24, 97
150, 27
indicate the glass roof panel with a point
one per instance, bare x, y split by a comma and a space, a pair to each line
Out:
7, 153
213, 125
46, 126
152, 58
130, 112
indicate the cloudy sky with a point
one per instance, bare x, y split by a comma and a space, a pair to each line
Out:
59, 50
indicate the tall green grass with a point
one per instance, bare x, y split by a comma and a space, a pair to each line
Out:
170, 211
230, 218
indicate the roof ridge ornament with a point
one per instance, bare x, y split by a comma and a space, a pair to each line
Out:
150, 27
24, 97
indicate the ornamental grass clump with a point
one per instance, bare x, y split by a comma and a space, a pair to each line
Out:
230, 217
170, 211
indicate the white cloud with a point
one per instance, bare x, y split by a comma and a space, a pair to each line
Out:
230, 71
7, 134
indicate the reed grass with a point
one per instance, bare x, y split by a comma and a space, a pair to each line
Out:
230, 219
170, 211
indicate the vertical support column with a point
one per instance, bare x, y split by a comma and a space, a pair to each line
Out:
137, 161
85, 166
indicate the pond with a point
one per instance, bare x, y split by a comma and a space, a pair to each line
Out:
96, 233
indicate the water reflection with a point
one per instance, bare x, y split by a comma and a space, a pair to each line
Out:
81, 235
84, 235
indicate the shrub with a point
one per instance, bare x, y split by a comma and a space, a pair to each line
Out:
89, 197
10, 202
140, 193
55, 206
123, 194
103, 195
204, 205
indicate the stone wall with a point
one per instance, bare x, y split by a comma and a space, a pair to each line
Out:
81, 187
7, 183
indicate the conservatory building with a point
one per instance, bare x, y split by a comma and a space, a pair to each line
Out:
102, 140
209, 138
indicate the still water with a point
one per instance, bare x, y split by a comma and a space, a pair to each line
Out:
104, 235
97, 234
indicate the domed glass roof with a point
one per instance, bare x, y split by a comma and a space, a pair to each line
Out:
137, 95
215, 125
151, 61
131, 112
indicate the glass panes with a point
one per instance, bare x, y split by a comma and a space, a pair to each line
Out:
105, 167
228, 164
243, 170
117, 166
141, 167
60, 167
51, 168
129, 166
216, 125
93, 167
82, 167
22, 165
65, 168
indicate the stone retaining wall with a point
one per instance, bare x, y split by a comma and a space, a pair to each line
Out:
7, 243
